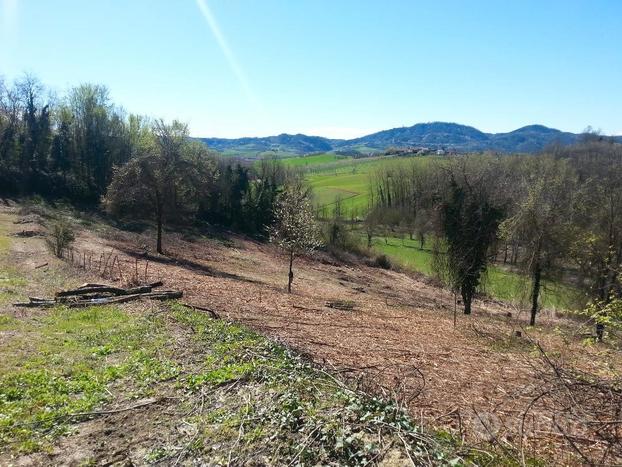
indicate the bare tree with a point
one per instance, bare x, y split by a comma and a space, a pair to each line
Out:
295, 229
542, 222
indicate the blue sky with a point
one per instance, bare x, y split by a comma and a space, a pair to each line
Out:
337, 68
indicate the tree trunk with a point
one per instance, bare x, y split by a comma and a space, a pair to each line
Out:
535, 293
369, 238
159, 237
291, 273
466, 298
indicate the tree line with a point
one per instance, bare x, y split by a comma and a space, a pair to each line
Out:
554, 215
84, 148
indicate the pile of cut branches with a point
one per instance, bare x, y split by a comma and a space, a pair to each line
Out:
101, 294
584, 411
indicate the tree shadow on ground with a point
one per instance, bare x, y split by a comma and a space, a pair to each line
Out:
189, 264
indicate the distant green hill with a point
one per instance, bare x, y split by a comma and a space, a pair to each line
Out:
435, 135
281, 144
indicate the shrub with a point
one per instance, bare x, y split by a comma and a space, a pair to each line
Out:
60, 238
603, 313
382, 261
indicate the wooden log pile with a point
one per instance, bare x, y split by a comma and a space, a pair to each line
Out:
101, 294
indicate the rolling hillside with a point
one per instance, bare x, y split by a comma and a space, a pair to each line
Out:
461, 138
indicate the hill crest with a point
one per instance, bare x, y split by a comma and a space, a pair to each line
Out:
433, 135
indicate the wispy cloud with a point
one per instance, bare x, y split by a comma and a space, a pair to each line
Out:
226, 50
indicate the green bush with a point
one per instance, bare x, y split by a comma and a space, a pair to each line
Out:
60, 238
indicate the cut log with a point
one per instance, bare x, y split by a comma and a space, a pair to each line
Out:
105, 289
85, 300
163, 295
346, 305
37, 304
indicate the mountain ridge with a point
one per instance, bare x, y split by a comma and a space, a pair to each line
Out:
433, 135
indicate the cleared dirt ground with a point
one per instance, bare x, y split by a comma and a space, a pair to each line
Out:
477, 379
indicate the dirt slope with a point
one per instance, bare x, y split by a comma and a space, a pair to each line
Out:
476, 379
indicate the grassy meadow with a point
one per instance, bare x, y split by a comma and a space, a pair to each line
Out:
500, 282
312, 160
335, 177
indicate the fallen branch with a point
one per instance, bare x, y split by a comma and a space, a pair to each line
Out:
212, 313
36, 304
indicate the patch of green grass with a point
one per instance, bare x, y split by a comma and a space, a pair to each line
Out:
5, 242
11, 282
312, 160
499, 283
157, 454
63, 363
404, 252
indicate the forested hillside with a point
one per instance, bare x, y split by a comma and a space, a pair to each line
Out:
436, 135
74, 146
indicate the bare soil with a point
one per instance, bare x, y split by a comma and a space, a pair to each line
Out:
475, 379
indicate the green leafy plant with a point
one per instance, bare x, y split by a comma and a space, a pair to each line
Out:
604, 314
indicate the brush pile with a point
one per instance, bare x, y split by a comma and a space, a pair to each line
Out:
101, 294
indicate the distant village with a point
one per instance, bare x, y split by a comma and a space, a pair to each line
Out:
400, 151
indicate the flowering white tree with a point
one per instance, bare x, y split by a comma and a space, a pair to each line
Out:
294, 228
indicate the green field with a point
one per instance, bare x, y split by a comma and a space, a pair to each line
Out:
334, 177
499, 283
349, 179
345, 179
351, 188
312, 160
